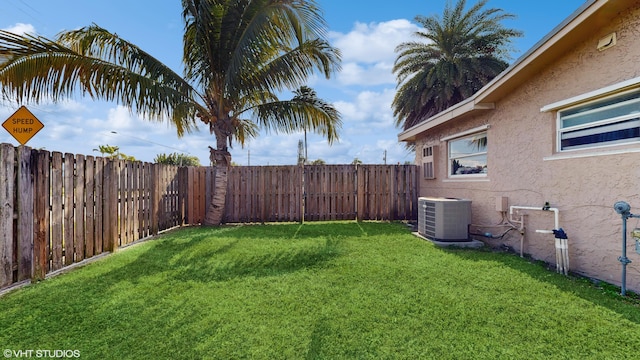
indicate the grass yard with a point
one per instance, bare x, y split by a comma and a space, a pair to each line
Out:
317, 291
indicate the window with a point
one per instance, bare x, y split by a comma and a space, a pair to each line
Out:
608, 121
468, 155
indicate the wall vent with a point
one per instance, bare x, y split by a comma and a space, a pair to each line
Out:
428, 162
444, 219
607, 42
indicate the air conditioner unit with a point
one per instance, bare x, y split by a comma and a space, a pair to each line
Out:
444, 219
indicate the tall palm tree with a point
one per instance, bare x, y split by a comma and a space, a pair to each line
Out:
308, 96
455, 56
238, 55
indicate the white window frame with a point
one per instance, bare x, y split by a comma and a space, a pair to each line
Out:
465, 136
594, 124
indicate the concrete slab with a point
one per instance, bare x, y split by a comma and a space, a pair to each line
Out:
474, 244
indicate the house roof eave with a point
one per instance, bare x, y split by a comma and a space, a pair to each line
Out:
464, 108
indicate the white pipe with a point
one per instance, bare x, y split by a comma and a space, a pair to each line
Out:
562, 248
555, 213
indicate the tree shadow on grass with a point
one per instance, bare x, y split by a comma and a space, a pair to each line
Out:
573, 284
206, 255
260, 264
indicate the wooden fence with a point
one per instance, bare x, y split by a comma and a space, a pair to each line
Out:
310, 192
59, 209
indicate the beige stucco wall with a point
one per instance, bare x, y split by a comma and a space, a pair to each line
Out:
521, 150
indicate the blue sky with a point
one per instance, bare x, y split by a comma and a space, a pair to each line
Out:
366, 31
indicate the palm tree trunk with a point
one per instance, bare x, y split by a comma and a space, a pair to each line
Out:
215, 213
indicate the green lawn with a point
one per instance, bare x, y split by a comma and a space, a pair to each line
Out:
317, 291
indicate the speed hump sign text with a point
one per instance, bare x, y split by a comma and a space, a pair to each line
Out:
22, 125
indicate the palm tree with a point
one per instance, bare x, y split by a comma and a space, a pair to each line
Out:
455, 56
112, 151
306, 95
238, 55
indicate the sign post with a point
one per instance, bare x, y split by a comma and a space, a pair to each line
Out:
22, 125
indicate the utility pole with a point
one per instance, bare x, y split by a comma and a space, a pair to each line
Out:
384, 158
306, 156
301, 157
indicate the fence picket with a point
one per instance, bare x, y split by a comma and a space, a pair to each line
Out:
67, 204
98, 214
56, 211
80, 220
7, 184
41, 216
89, 206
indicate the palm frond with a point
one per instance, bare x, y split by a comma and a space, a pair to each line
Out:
304, 112
40, 69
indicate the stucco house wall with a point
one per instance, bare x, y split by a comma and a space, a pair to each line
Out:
525, 166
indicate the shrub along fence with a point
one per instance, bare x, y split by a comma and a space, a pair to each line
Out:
59, 209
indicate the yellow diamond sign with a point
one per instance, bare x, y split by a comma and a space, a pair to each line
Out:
22, 125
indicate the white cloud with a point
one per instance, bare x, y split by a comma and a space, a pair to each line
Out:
366, 75
368, 51
370, 107
21, 29
373, 42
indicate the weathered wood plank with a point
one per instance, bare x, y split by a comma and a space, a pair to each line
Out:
135, 193
89, 206
155, 198
7, 208
99, 231
68, 220
122, 203
25, 214
41, 215
203, 176
56, 211
79, 242
110, 205
144, 201
131, 211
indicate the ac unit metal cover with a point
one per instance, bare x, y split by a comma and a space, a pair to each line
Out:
444, 219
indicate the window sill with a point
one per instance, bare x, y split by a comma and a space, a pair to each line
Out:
568, 155
467, 179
